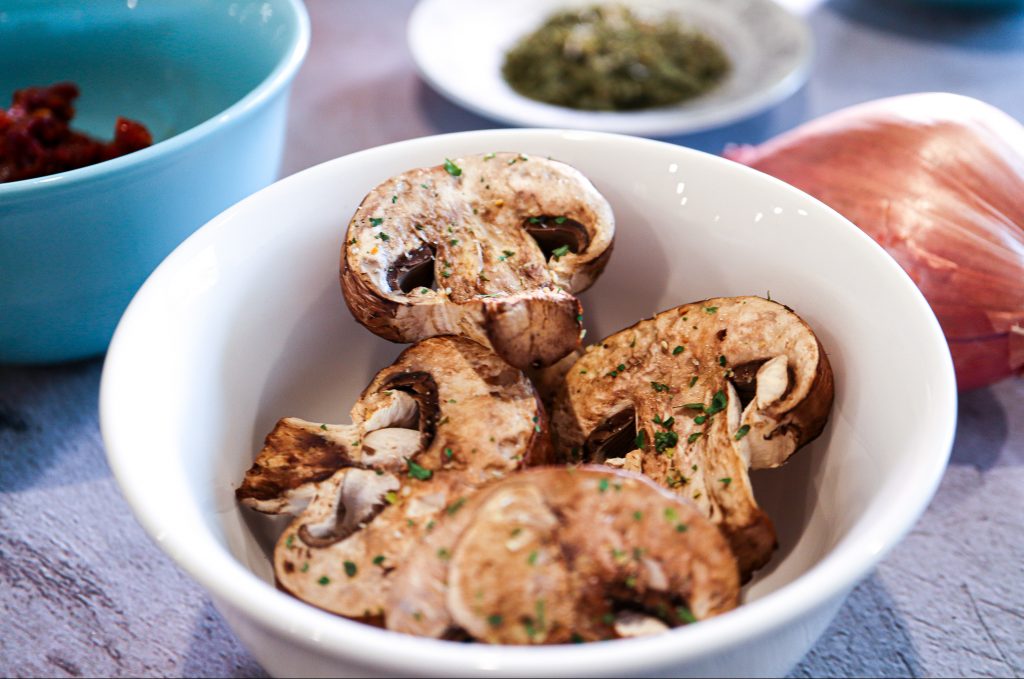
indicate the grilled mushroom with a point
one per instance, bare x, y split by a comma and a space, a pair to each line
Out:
491, 247
694, 397
447, 417
556, 555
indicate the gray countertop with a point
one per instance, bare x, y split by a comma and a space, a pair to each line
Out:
85, 593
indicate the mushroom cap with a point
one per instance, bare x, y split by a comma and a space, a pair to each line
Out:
492, 247
694, 397
555, 555
447, 417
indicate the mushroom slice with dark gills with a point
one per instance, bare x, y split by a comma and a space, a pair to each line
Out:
448, 417
556, 555
694, 397
492, 247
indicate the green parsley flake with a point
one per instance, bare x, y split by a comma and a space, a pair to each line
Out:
378, 560
532, 559
451, 168
383, 236
391, 497
305, 568
659, 387
700, 419
726, 481
681, 527
350, 569
455, 506
640, 439
376, 221
494, 620
453, 242
324, 580
684, 614
693, 381
324, 427
694, 406
394, 199
710, 309
560, 252
443, 554
560, 220
638, 516
693, 437
602, 485
418, 472
288, 541
741, 432
718, 402
678, 350
671, 514
721, 361
631, 581
448, 453
663, 440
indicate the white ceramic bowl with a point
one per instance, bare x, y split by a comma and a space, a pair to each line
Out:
245, 323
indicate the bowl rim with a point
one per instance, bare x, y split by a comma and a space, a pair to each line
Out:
816, 590
276, 80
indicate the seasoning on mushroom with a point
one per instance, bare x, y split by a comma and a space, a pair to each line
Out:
557, 555
694, 397
447, 417
492, 247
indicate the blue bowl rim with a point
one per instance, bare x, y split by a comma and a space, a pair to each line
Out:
278, 78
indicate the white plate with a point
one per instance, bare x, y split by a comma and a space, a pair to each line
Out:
459, 47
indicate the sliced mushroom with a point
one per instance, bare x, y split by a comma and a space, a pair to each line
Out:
556, 555
492, 247
446, 418
694, 397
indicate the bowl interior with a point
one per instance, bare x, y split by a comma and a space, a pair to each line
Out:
245, 324
170, 64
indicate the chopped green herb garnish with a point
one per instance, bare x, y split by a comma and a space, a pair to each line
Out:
430, 525
350, 569
671, 514
560, 220
631, 581
451, 168
443, 554
532, 559
560, 252
638, 516
718, 402
693, 381
640, 439
324, 427
710, 309
453, 242
621, 367
700, 419
659, 387
534, 220
394, 199
448, 453
602, 485
352, 242
383, 236
741, 432
664, 440
455, 506
678, 350
684, 614
693, 437
376, 221
681, 527
305, 568
694, 406
726, 481
575, 638
579, 318
494, 620
324, 580
721, 361
391, 497
418, 472
488, 156
378, 560
289, 540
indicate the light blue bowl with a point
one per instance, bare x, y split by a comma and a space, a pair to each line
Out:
210, 79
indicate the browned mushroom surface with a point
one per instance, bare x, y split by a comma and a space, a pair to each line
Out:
492, 247
447, 417
694, 397
558, 555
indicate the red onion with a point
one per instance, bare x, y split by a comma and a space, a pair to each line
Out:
938, 181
